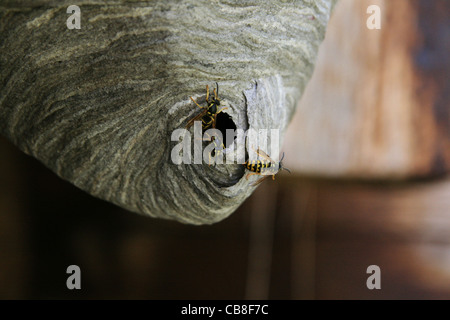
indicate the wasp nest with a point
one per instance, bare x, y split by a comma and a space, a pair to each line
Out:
98, 104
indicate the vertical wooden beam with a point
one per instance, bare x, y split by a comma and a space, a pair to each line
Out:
14, 253
378, 103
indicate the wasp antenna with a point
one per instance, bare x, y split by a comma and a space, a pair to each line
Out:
287, 170
217, 93
282, 157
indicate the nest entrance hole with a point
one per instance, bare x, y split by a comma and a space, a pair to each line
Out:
224, 122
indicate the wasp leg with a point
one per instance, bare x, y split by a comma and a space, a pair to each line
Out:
207, 94
221, 110
208, 124
251, 174
196, 103
217, 153
209, 161
214, 119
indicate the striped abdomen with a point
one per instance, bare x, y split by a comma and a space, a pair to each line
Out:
209, 117
257, 165
207, 120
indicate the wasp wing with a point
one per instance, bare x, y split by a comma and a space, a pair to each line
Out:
264, 155
197, 118
257, 182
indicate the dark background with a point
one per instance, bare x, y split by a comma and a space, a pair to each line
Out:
295, 238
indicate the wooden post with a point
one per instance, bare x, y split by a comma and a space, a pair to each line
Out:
378, 105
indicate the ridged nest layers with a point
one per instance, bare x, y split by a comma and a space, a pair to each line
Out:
98, 105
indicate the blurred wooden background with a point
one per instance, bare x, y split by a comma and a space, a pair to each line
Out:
378, 104
295, 238
374, 119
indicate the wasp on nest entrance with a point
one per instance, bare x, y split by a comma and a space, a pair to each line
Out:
213, 117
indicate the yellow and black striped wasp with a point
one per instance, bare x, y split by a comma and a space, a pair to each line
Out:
257, 166
210, 112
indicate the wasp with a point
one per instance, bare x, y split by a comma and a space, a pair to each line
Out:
256, 167
210, 112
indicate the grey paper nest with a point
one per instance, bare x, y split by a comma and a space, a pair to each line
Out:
98, 105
